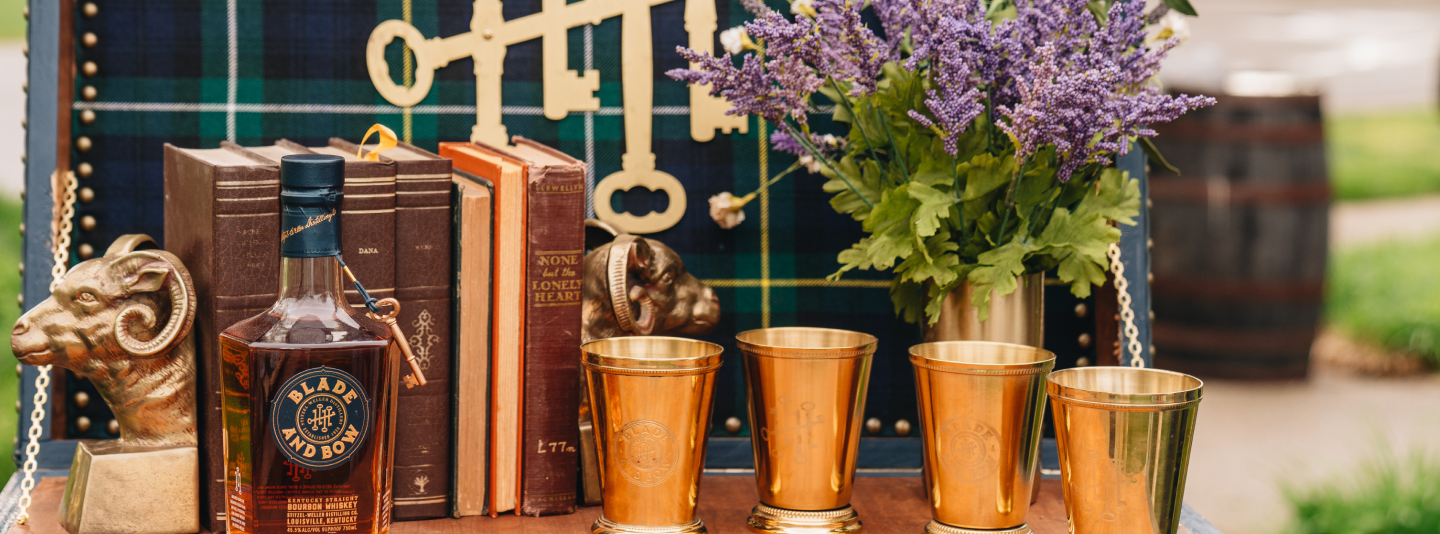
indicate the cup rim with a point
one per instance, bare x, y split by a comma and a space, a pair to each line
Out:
1061, 392
791, 350
709, 359
1046, 361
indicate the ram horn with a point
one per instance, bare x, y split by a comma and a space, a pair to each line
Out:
645, 324
177, 285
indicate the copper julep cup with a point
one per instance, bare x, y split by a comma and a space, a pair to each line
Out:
981, 404
1124, 436
651, 397
806, 389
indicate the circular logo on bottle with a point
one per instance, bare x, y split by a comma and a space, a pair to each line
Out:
969, 448
645, 453
320, 417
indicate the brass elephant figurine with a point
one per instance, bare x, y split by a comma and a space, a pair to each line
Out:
124, 322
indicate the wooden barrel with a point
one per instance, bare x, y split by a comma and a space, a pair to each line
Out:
1240, 238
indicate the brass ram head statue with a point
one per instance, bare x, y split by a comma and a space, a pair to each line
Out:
124, 322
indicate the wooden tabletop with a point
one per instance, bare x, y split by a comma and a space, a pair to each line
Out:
887, 505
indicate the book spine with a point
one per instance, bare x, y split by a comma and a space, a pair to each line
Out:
556, 239
422, 285
367, 229
225, 228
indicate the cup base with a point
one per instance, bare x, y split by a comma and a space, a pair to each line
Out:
606, 526
766, 519
936, 527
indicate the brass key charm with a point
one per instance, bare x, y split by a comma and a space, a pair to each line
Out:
417, 377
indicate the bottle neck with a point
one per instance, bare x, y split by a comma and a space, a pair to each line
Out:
312, 279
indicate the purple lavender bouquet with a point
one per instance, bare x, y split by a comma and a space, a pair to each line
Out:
982, 132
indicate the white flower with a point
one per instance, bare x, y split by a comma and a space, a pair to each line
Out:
725, 209
802, 7
1173, 24
733, 40
810, 163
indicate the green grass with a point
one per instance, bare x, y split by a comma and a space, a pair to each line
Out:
1384, 155
12, 20
1386, 496
10, 256
1388, 293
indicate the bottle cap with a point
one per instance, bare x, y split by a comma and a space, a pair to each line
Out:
312, 171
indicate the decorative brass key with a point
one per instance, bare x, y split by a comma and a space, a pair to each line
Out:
416, 376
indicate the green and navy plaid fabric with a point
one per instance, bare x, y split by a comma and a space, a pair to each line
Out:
196, 73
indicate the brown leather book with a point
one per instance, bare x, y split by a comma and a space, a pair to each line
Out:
423, 286
554, 271
367, 217
222, 219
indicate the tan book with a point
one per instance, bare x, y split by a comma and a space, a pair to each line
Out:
508, 312
473, 224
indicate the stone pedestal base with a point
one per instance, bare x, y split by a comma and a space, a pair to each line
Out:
115, 488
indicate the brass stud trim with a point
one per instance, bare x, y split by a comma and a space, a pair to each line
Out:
82, 424
22, 228
82, 399
902, 427
87, 195
874, 426
84, 170
89, 40
1084, 341
88, 92
1082, 362
19, 369
113, 427
85, 251
87, 223
83, 144
22, 268
732, 425
87, 117
20, 300
90, 9
26, 12
1081, 310
89, 68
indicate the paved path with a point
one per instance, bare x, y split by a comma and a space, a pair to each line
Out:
1356, 223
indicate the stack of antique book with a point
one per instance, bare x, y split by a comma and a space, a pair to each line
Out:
484, 255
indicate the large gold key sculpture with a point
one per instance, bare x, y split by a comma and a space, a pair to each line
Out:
566, 90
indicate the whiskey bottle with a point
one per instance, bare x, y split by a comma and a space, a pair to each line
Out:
309, 385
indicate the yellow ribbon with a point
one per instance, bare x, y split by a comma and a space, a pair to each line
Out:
387, 142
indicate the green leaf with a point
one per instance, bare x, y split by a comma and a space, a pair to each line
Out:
909, 299
987, 173
934, 205
997, 271
1080, 273
1182, 6
1118, 198
855, 257
1155, 156
1087, 234
934, 172
889, 225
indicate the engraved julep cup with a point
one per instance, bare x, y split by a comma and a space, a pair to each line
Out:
1124, 436
806, 389
981, 404
651, 398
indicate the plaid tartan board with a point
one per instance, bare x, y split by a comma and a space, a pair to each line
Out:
251, 71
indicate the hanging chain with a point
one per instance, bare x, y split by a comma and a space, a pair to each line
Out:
42, 381
1122, 288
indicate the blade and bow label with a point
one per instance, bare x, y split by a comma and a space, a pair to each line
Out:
320, 417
